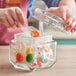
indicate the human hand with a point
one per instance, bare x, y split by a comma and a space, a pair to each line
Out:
65, 14
12, 17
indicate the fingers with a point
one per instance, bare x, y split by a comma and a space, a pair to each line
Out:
4, 21
17, 16
73, 29
68, 27
58, 11
62, 12
69, 20
9, 19
52, 9
73, 26
70, 24
12, 17
20, 15
13, 14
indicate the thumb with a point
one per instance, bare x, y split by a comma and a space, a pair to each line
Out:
52, 9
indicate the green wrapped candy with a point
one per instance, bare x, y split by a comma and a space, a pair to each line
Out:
44, 60
29, 58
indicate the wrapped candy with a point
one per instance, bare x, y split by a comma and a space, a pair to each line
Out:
28, 32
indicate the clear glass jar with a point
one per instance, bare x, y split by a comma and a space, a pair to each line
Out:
30, 54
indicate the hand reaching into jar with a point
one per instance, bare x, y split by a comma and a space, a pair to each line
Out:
12, 17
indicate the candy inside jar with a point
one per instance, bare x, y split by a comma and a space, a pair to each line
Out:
32, 51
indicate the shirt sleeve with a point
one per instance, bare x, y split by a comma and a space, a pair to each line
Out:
30, 4
51, 3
